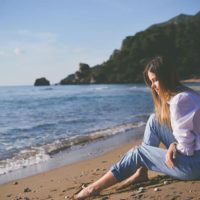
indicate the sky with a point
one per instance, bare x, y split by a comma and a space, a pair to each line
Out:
49, 38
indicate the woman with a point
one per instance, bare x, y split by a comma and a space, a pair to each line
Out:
176, 123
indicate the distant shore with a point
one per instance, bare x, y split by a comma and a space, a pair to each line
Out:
191, 81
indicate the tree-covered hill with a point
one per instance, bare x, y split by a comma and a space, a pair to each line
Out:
178, 39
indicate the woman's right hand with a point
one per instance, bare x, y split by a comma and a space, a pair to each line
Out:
171, 155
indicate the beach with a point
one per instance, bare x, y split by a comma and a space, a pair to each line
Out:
64, 182
86, 162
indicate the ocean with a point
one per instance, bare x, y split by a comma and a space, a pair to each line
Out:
39, 123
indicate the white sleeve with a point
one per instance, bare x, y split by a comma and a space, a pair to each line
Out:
182, 111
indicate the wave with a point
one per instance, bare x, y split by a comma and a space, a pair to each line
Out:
82, 139
47, 88
142, 89
32, 128
35, 155
23, 159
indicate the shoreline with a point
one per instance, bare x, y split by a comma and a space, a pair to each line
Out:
67, 178
63, 182
197, 80
75, 154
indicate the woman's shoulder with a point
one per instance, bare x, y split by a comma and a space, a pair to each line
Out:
185, 97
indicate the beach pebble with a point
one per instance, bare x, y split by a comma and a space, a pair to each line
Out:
18, 198
141, 188
15, 183
96, 170
188, 198
27, 190
139, 191
104, 198
166, 182
156, 189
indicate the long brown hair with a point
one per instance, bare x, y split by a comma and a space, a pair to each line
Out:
168, 79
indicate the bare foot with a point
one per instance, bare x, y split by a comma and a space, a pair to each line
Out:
104, 182
89, 191
140, 175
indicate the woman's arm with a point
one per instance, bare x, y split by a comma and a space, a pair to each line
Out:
171, 155
182, 112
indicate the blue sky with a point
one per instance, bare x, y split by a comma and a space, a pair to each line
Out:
49, 38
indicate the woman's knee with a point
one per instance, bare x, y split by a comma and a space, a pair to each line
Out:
152, 119
151, 134
127, 165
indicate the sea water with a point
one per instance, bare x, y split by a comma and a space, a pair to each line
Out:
37, 123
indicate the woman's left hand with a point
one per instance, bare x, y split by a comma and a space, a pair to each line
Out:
171, 155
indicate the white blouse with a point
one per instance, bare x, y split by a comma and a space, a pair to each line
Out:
185, 121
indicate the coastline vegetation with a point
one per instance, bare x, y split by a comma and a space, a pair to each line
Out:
178, 39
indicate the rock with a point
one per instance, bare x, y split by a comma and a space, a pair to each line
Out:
189, 198
166, 182
18, 198
68, 80
141, 189
27, 190
104, 198
156, 189
82, 76
41, 82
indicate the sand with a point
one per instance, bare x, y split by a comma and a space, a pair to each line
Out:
63, 182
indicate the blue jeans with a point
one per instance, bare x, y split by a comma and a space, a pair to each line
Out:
153, 158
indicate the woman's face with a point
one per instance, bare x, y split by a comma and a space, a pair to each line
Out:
154, 82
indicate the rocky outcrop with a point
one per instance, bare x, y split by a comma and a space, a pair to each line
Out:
68, 80
82, 76
41, 82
